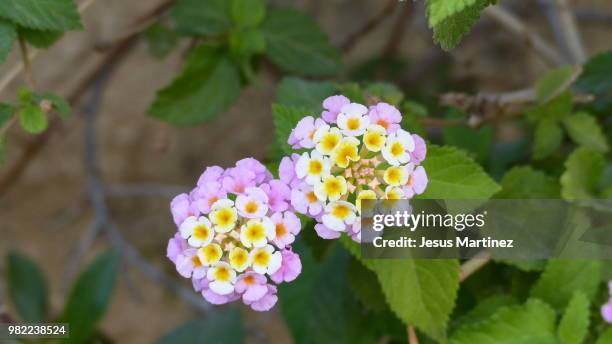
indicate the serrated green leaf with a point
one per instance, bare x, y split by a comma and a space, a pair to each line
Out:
562, 278
547, 138
285, 119
296, 44
160, 40
8, 35
533, 322
225, 326
606, 337
526, 182
201, 17
556, 81
296, 92
451, 19
596, 80
53, 15
454, 175
575, 321
484, 309
248, 13
583, 171
33, 119
207, 86
27, 288
89, 297
585, 131
41, 39
420, 292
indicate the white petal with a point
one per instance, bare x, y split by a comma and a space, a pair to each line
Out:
221, 288
275, 262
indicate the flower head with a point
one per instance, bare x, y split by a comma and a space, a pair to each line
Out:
232, 230
606, 309
359, 153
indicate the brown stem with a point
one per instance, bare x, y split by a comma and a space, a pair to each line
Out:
412, 336
368, 27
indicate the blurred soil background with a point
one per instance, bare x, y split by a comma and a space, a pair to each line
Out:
45, 214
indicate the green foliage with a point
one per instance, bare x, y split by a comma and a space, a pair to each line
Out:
89, 297
583, 171
575, 321
41, 39
556, 81
297, 45
452, 19
477, 141
285, 119
454, 175
302, 93
596, 80
215, 328
8, 35
384, 91
208, 85
365, 286
54, 15
533, 322
585, 131
548, 138
248, 13
33, 119
484, 309
526, 182
160, 40
201, 17
606, 337
562, 278
27, 288
59, 104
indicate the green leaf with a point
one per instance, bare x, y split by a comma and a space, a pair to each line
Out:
246, 43
53, 15
454, 175
484, 309
6, 112
385, 92
302, 93
296, 44
27, 288
477, 141
248, 13
575, 321
533, 322
201, 17
596, 80
33, 119
420, 292
208, 85
224, 326
365, 286
2, 150
583, 170
41, 39
451, 19
89, 297
526, 182
585, 131
606, 337
160, 40
8, 35
556, 81
547, 138
555, 109
285, 119
562, 278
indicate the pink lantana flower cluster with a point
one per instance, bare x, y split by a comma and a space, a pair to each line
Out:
606, 309
351, 153
234, 235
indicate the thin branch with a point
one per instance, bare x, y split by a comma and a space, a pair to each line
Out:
476, 263
16, 70
412, 336
513, 24
570, 31
399, 28
27, 66
368, 26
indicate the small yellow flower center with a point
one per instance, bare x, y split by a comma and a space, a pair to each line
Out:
330, 141
397, 149
251, 207
196, 261
312, 198
353, 123
281, 230
341, 211
222, 274
201, 232
255, 232
261, 258
315, 167
238, 257
333, 186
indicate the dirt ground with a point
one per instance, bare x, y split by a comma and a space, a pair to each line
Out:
44, 214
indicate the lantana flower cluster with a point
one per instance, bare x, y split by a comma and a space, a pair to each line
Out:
351, 152
606, 309
234, 235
